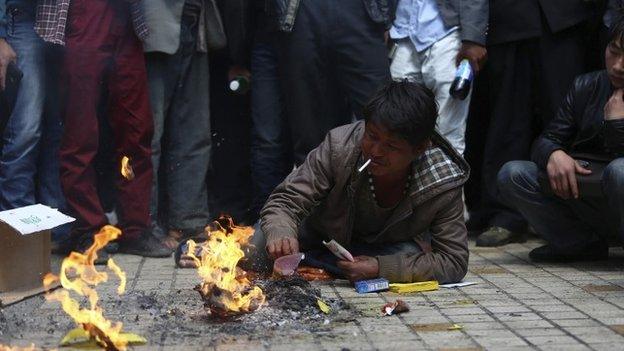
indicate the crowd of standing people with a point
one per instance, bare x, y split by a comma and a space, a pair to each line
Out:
87, 84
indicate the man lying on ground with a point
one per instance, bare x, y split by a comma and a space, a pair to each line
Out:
401, 217
590, 121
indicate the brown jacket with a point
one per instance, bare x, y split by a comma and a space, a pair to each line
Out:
320, 196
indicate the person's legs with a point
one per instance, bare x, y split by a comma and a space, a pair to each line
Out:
555, 76
313, 104
271, 157
510, 131
357, 52
406, 62
131, 121
569, 226
188, 137
438, 70
613, 188
85, 59
18, 161
161, 83
49, 183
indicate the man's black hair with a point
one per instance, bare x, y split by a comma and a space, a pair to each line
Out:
616, 30
406, 109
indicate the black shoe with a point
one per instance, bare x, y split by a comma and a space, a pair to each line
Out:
85, 242
147, 246
498, 236
595, 251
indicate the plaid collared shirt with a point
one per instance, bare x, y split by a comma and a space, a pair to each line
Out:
52, 20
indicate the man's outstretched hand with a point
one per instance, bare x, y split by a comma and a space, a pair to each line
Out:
364, 267
282, 247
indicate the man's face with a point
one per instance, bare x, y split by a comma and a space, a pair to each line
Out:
614, 62
389, 153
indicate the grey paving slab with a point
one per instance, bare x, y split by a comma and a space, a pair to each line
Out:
516, 305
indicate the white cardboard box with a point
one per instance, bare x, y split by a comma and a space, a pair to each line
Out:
25, 246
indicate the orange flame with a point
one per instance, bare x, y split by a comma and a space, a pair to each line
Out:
225, 286
78, 274
126, 169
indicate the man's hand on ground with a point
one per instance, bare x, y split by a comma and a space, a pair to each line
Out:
282, 247
7, 55
614, 108
562, 170
475, 53
364, 267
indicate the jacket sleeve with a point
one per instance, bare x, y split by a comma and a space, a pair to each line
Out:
447, 262
559, 134
298, 194
473, 20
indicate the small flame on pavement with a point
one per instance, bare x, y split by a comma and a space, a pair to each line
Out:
78, 274
225, 287
126, 168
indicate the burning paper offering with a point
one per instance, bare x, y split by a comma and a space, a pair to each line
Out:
79, 275
225, 288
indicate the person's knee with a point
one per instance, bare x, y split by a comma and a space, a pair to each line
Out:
613, 177
515, 176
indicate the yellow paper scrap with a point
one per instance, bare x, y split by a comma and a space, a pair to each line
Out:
323, 306
79, 336
414, 287
455, 327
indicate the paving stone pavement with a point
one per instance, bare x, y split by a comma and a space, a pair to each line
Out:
516, 305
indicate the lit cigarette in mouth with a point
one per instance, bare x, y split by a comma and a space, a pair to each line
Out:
364, 165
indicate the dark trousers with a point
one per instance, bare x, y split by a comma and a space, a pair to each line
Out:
104, 53
180, 100
333, 59
527, 78
271, 155
569, 226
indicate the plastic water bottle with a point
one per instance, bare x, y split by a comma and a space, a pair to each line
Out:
240, 85
463, 79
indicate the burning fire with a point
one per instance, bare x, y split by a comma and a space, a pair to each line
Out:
225, 287
126, 169
78, 274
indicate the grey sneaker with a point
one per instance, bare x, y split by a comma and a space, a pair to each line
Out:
498, 236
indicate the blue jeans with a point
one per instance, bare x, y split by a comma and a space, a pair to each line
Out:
34, 129
271, 156
179, 97
18, 162
568, 225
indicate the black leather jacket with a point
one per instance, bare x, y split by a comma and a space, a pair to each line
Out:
579, 125
284, 12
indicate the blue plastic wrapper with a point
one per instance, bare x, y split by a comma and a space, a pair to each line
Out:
367, 286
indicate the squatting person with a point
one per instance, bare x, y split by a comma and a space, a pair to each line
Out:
590, 121
402, 217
